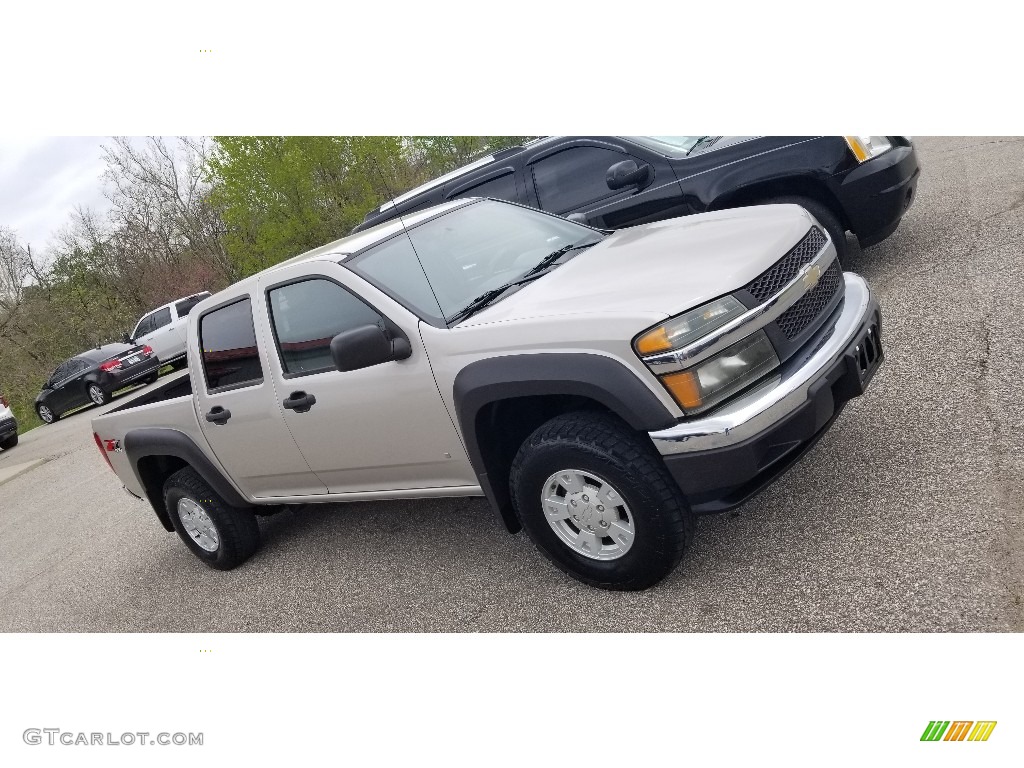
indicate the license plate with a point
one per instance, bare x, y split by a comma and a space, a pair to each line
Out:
132, 360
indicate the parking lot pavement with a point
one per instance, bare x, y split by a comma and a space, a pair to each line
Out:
907, 515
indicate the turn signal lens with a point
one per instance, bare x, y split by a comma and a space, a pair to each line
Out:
866, 147
147, 350
688, 327
110, 365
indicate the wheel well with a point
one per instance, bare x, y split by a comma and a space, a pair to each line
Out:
153, 472
503, 426
800, 186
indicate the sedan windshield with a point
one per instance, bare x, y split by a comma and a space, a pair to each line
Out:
448, 264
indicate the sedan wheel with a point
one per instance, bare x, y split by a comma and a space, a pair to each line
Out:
97, 395
46, 414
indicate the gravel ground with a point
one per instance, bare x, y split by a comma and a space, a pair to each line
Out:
907, 516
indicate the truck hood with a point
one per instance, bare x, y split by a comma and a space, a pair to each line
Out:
666, 267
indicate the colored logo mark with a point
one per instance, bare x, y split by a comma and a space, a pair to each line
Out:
958, 730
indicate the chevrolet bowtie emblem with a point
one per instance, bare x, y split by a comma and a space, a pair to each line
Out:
811, 276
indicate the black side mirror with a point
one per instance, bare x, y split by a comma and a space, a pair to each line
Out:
628, 174
125, 338
365, 346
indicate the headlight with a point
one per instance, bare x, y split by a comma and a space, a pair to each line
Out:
680, 331
866, 147
711, 382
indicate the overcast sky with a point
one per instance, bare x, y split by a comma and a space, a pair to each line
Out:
43, 178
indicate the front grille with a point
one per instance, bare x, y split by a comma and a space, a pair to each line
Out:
811, 304
785, 269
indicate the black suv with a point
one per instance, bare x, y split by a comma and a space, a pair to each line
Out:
863, 184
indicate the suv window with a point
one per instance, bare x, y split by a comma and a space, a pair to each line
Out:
161, 318
228, 342
184, 306
574, 177
502, 188
307, 315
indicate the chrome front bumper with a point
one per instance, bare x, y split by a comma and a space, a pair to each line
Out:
773, 402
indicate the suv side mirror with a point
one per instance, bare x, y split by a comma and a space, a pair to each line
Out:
365, 346
126, 339
628, 174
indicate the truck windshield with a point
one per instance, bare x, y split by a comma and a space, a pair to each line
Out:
467, 253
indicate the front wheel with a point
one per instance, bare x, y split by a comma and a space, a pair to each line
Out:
9, 443
599, 503
825, 217
47, 414
220, 535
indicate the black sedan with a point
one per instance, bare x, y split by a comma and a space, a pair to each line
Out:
94, 376
860, 184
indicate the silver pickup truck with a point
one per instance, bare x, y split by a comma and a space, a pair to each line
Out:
600, 389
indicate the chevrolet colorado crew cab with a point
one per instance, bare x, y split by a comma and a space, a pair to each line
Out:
599, 388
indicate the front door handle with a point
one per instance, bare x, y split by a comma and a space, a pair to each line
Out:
218, 415
299, 402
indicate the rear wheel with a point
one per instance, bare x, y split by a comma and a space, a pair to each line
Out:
10, 442
46, 414
220, 535
599, 503
97, 395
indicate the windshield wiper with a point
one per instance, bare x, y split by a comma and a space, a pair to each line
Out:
554, 256
535, 272
696, 144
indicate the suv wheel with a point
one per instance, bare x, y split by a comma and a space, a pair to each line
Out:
599, 503
46, 414
825, 217
220, 535
97, 395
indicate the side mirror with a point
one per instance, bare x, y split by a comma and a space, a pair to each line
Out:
365, 346
628, 174
126, 339
579, 218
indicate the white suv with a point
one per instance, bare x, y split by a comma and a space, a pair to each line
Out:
164, 328
8, 426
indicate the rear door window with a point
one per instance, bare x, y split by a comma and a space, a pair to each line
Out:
184, 306
574, 177
307, 315
227, 339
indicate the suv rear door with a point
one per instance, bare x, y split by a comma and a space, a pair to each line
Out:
159, 334
238, 408
571, 178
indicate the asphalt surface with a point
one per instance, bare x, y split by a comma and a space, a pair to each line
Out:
907, 516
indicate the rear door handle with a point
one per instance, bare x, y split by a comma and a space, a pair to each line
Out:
218, 415
299, 402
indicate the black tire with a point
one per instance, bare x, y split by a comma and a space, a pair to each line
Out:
237, 530
104, 396
825, 216
604, 445
151, 379
54, 416
179, 364
9, 443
